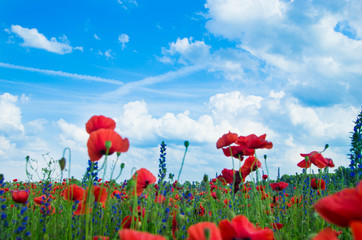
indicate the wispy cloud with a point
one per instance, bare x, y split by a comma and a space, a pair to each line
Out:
62, 74
32, 38
168, 76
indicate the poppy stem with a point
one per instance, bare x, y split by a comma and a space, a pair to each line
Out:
183, 159
114, 166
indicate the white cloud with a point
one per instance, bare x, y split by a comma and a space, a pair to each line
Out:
10, 117
6, 146
72, 136
32, 38
189, 50
108, 54
96, 37
123, 39
37, 125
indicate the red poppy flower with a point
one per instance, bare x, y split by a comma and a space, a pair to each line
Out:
318, 184
278, 186
226, 140
197, 231
241, 228
329, 162
144, 178
253, 141
238, 151
317, 159
127, 221
20, 196
304, 164
356, 227
129, 234
228, 175
265, 177
250, 165
97, 143
40, 200
82, 208
342, 207
326, 234
277, 226
100, 194
98, 122
73, 192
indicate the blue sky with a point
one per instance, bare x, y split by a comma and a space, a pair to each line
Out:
175, 71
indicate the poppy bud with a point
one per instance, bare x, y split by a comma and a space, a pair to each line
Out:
187, 144
108, 144
179, 219
20, 196
122, 165
230, 214
187, 210
62, 163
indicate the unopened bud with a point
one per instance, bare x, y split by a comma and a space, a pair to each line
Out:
122, 165
179, 219
230, 214
187, 144
62, 163
108, 144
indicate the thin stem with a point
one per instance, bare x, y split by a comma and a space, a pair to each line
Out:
182, 164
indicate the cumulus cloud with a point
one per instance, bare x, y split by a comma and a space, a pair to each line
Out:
72, 135
6, 146
310, 44
32, 38
10, 117
189, 51
123, 39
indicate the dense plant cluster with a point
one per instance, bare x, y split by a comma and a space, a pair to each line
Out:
306, 205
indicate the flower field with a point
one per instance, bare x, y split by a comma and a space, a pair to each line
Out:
304, 206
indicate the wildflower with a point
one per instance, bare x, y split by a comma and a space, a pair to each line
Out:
265, 177
326, 234
97, 143
73, 192
278, 186
318, 184
82, 208
277, 226
100, 194
20, 196
343, 207
144, 178
241, 228
204, 231
251, 164
226, 140
317, 159
253, 141
238, 152
227, 175
129, 234
98, 122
